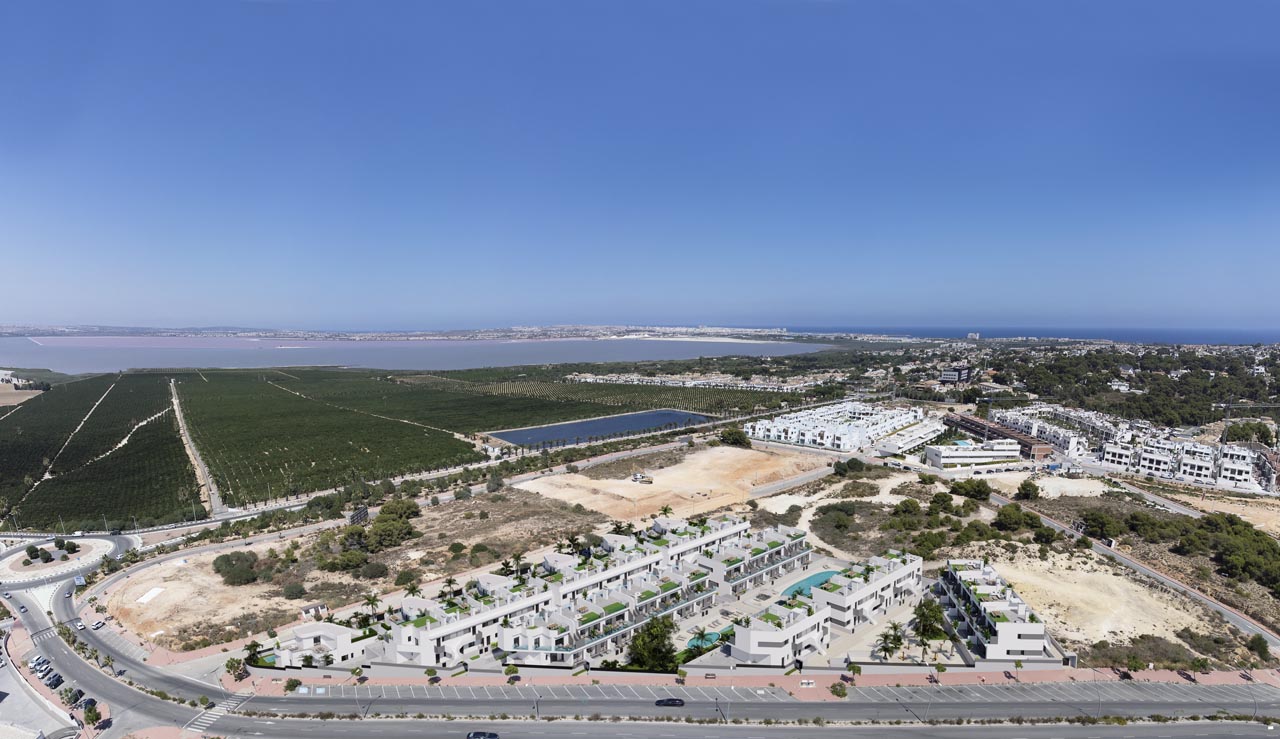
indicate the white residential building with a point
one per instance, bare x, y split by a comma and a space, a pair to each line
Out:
310, 644
571, 608
967, 454
992, 619
1028, 421
803, 624
846, 427
912, 437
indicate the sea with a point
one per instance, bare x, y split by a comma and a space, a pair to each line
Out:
1122, 335
86, 354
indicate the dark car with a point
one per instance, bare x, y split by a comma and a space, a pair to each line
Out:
481, 735
674, 702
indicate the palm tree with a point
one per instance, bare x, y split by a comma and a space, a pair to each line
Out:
618, 528
450, 587
700, 638
573, 543
251, 650
413, 590
372, 601
884, 645
109, 662
897, 634
518, 561
505, 565
665, 510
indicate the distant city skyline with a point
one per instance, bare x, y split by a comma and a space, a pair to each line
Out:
761, 163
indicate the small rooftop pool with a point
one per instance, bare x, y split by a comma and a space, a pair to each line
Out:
812, 581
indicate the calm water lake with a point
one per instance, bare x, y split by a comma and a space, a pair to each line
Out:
574, 431
75, 355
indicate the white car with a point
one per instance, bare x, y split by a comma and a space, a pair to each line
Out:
79, 625
98, 625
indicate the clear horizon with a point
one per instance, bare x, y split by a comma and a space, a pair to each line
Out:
764, 163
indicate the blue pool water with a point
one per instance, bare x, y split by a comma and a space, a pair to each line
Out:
962, 442
711, 638
812, 581
573, 432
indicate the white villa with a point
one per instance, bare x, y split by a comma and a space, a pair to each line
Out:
783, 633
570, 608
846, 427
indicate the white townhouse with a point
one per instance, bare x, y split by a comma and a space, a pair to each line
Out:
805, 622
984, 611
321, 643
912, 437
846, 427
1028, 421
568, 609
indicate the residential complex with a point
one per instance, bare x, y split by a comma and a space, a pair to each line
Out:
572, 607
843, 601
1033, 422
911, 438
969, 454
992, 620
846, 427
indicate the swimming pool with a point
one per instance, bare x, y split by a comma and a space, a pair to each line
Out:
812, 581
711, 638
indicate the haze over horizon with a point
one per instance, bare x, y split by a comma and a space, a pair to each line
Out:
317, 166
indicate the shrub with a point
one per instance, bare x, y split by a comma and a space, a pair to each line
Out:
294, 590
373, 570
292, 684
839, 690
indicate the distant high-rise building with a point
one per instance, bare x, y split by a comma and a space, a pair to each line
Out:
973, 335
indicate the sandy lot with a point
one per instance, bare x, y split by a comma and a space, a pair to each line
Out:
9, 396
703, 481
192, 598
1261, 512
1083, 600
1050, 486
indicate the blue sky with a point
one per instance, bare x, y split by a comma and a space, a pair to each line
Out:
750, 162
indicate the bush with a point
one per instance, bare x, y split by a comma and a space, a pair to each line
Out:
735, 437
294, 590
236, 568
292, 684
839, 690
976, 489
1028, 490
373, 570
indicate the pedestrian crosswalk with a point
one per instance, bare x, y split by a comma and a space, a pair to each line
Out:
210, 715
45, 635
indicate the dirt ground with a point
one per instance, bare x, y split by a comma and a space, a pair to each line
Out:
192, 598
701, 481
1051, 486
1261, 512
514, 521
9, 396
1084, 599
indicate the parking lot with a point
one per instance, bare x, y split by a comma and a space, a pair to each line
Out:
549, 692
120, 645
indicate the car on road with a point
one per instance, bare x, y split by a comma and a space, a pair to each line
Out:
67, 594
7, 595
481, 735
79, 625
22, 609
98, 624
671, 702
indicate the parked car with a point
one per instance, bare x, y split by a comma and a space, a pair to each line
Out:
77, 695
7, 595
672, 702
79, 625
98, 624
481, 735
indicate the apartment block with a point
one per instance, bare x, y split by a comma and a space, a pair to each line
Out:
806, 620
912, 437
992, 619
569, 608
846, 427
966, 454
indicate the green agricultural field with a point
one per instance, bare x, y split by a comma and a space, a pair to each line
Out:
133, 399
150, 477
32, 434
459, 407
617, 396
259, 439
